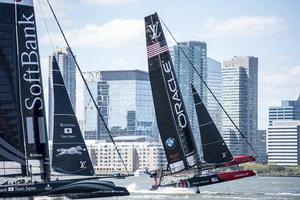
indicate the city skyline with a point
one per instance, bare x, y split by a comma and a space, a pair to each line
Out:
267, 30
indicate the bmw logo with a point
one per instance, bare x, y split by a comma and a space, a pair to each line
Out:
171, 143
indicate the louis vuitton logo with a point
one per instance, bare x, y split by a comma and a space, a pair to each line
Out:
82, 164
153, 28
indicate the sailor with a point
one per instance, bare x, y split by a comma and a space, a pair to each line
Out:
157, 176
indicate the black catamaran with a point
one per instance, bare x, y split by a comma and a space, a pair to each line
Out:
172, 120
23, 134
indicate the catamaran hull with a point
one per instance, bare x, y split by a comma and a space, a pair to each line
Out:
211, 179
70, 188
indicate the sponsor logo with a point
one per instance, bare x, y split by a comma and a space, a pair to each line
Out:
176, 166
224, 154
172, 86
241, 175
67, 125
78, 150
171, 143
35, 155
29, 59
152, 29
82, 164
67, 130
214, 179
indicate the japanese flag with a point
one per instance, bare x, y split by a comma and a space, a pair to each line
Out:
67, 130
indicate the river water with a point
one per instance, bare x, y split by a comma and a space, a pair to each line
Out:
269, 188
248, 188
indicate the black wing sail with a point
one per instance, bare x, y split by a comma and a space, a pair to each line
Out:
171, 115
214, 147
11, 133
22, 108
69, 153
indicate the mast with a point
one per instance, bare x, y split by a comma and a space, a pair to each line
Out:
171, 115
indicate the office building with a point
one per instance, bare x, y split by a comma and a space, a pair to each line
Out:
138, 152
289, 110
214, 82
240, 102
90, 111
68, 69
130, 108
196, 53
103, 104
283, 142
261, 146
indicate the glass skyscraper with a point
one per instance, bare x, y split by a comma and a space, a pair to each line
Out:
68, 69
240, 101
214, 82
126, 104
90, 111
196, 52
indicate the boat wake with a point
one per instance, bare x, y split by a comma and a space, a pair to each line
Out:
132, 188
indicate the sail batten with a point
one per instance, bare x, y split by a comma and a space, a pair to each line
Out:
70, 154
214, 147
171, 115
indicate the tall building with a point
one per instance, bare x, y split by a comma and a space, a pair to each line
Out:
240, 102
125, 102
261, 146
289, 110
90, 111
283, 142
103, 104
284, 134
214, 82
68, 69
196, 52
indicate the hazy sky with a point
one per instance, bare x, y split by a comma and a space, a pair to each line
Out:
109, 34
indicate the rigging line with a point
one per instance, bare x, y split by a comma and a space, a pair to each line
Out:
197, 72
52, 46
46, 26
87, 87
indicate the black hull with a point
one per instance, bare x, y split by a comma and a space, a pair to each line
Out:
210, 179
71, 188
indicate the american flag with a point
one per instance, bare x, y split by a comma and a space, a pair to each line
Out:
157, 48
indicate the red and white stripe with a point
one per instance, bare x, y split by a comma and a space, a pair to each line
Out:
155, 49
